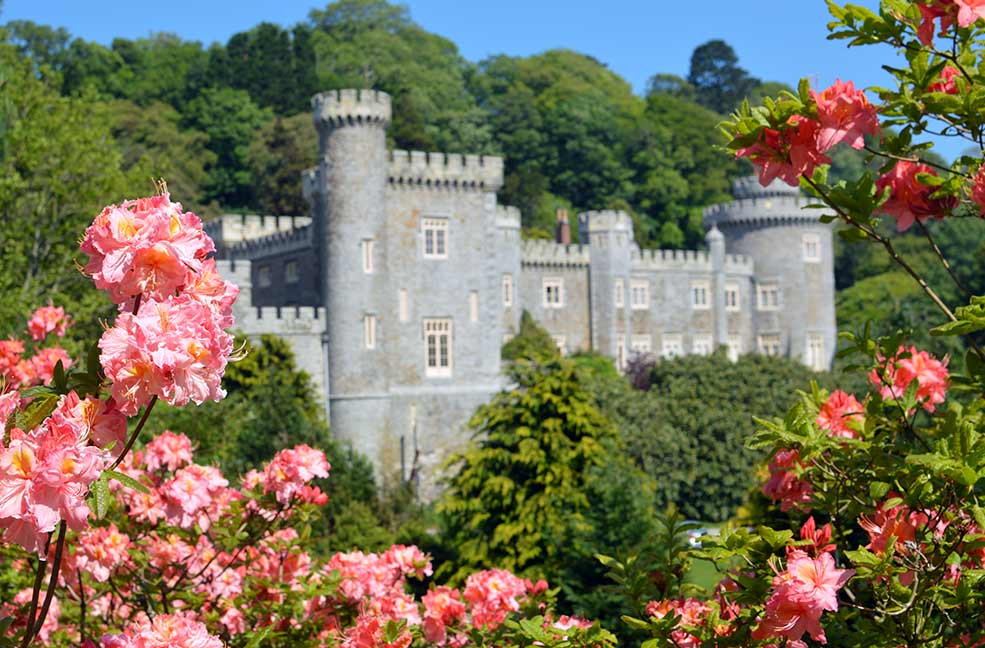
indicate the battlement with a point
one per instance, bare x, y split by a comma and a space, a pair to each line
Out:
739, 264
769, 210
290, 313
231, 229
445, 170
283, 320
670, 260
286, 241
507, 217
607, 220
750, 187
545, 252
350, 107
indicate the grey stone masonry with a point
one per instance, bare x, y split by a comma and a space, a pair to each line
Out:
399, 288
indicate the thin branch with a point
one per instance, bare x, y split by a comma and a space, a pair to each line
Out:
53, 581
35, 595
914, 158
136, 433
942, 258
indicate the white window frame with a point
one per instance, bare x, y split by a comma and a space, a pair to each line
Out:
434, 238
369, 331
641, 344
701, 294
770, 344
507, 290
733, 347
639, 294
733, 297
561, 341
619, 293
812, 247
702, 344
292, 271
671, 346
768, 296
403, 305
263, 276
434, 329
815, 355
368, 246
473, 305
552, 292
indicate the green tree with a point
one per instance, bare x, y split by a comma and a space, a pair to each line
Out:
531, 342
164, 67
282, 149
719, 83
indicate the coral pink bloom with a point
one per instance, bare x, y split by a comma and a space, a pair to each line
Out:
167, 631
209, 288
444, 604
946, 84
791, 491
48, 319
969, 11
689, 612
930, 373
909, 199
9, 403
845, 115
840, 415
807, 588
290, 469
819, 537
10, 356
977, 194
493, 594
368, 633
411, 561
897, 525
936, 9
787, 153
90, 419
100, 551
44, 361
168, 450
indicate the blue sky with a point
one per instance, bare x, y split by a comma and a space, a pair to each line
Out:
781, 40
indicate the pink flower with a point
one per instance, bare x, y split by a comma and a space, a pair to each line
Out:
168, 450
167, 631
493, 594
175, 350
10, 356
909, 199
897, 525
787, 153
946, 83
48, 319
936, 9
190, 491
100, 551
807, 588
411, 561
845, 115
209, 288
290, 469
820, 538
898, 373
841, 415
44, 361
368, 633
91, 419
444, 604
9, 402
977, 194
783, 486
147, 246
690, 613
969, 11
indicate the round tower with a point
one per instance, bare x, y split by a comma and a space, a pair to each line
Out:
793, 256
351, 180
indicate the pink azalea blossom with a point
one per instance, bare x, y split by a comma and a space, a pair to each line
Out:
946, 82
909, 200
690, 613
48, 319
820, 538
977, 192
168, 450
100, 551
845, 115
935, 10
841, 415
290, 469
493, 594
44, 361
166, 631
788, 153
10, 356
931, 374
783, 486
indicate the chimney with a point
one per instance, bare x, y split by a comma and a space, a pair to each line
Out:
562, 230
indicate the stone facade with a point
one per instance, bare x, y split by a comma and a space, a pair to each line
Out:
399, 289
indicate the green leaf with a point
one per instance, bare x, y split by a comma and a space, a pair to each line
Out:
775, 539
878, 490
127, 480
101, 496
36, 411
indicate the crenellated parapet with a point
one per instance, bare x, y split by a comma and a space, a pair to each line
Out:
230, 229
293, 240
691, 260
548, 253
776, 204
445, 171
739, 264
507, 217
336, 108
607, 220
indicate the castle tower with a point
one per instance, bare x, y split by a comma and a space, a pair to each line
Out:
349, 214
610, 236
793, 304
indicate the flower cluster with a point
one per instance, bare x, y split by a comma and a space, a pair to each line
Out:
948, 12
48, 319
909, 199
896, 374
841, 415
164, 631
783, 485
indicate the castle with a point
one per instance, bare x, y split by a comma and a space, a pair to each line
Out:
400, 287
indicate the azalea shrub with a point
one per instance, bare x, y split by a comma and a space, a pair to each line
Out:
877, 534
116, 541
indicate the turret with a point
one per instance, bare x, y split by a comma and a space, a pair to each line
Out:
793, 304
716, 252
610, 237
347, 192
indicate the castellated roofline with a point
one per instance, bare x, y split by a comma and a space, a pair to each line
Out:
769, 210
750, 187
669, 259
542, 252
288, 241
231, 229
445, 170
606, 220
350, 107
289, 313
507, 217
740, 264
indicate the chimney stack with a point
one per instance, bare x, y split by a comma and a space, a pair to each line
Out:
562, 229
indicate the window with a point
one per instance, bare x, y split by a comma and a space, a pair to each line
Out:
619, 293
291, 274
732, 297
671, 346
473, 306
553, 292
368, 245
640, 344
403, 305
507, 290
734, 347
816, 359
369, 331
435, 238
639, 294
768, 297
769, 344
561, 342
437, 347
263, 276
702, 344
620, 351
699, 295
812, 248
507, 337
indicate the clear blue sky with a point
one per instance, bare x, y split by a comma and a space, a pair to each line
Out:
777, 40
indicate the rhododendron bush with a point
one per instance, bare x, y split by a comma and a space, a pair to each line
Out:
876, 535
120, 541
